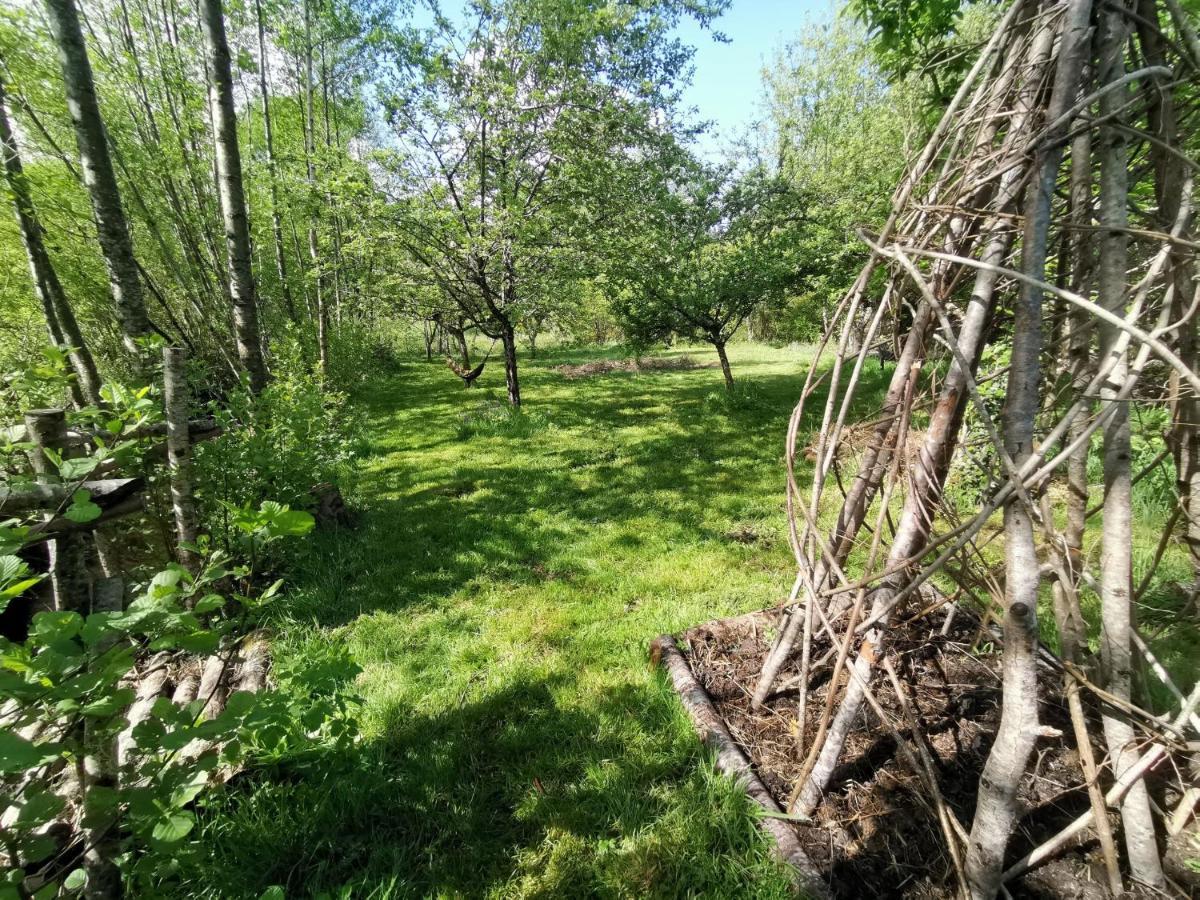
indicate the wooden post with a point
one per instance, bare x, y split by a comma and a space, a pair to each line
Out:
179, 453
47, 430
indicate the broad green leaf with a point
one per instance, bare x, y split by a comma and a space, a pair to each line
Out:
77, 469
82, 509
75, 881
175, 827
55, 626
20, 755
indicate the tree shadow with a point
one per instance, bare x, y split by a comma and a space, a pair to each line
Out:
665, 447
444, 803
526, 784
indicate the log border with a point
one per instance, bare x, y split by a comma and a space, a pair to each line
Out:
731, 761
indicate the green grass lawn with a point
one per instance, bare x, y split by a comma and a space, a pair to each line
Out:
499, 595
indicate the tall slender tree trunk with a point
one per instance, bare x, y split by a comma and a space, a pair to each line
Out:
508, 337
996, 806
310, 146
724, 358
1079, 335
116, 243
1116, 638
60, 317
272, 168
232, 195
334, 221
179, 454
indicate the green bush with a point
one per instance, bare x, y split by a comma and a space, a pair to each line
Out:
275, 445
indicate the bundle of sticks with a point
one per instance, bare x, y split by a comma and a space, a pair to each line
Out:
1049, 220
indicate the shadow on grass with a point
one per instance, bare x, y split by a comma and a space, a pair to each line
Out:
561, 772
447, 802
664, 449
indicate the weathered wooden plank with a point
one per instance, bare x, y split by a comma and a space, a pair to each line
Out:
105, 493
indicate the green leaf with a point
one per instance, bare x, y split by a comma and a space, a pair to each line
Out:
274, 892
208, 603
293, 523
75, 881
175, 827
82, 509
12, 591
189, 790
20, 755
40, 806
77, 469
202, 642
110, 705
12, 567
55, 626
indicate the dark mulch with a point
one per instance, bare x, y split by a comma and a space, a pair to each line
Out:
647, 364
876, 833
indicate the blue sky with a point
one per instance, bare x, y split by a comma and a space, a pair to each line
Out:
726, 87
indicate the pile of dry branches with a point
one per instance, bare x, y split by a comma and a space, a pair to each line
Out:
1049, 219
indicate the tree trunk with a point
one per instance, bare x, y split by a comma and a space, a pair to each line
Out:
179, 454
996, 807
272, 169
1079, 350
47, 430
115, 242
460, 336
724, 358
60, 317
1169, 174
232, 194
508, 338
1116, 563
310, 146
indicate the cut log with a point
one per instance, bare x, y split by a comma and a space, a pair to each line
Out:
152, 683
730, 760
75, 437
105, 493
251, 674
187, 684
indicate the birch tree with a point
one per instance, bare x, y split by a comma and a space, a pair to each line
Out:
56, 307
112, 227
232, 195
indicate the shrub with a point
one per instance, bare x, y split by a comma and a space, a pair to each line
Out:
276, 445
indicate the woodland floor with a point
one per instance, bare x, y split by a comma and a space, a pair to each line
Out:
499, 594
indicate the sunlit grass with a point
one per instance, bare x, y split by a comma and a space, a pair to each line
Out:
499, 595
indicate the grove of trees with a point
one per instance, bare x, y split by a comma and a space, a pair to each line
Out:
221, 219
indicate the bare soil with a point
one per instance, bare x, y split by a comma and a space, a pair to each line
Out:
647, 364
876, 833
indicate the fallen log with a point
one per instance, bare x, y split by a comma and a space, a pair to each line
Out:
731, 761
76, 437
105, 493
